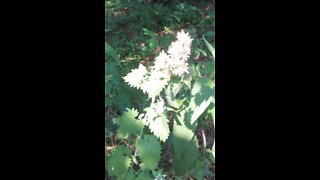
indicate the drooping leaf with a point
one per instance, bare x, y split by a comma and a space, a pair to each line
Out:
203, 52
128, 124
202, 95
185, 147
150, 150
119, 161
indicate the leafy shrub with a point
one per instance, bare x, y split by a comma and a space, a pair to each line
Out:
162, 82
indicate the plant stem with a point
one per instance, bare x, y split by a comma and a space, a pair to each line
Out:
204, 140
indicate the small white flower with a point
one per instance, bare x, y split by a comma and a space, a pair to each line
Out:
175, 62
179, 53
161, 61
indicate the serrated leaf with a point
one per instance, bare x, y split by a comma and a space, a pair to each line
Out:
119, 161
185, 147
149, 115
136, 76
128, 124
150, 150
160, 128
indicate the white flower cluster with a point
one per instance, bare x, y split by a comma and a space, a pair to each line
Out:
173, 63
176, 61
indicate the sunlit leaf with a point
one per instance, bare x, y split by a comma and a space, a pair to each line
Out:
119, 161
128, 124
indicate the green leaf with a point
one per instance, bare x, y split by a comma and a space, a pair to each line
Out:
185, 147
134, 160
111, 52
148, 32
128, 124
199, 169
119, 161
209, 68
203, 52
112, 73
153, 43
209, 46
130, 176
160, 128
150, 150
156, 173
213, 117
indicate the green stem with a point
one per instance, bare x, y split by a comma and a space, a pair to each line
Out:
135, 151
204, 140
